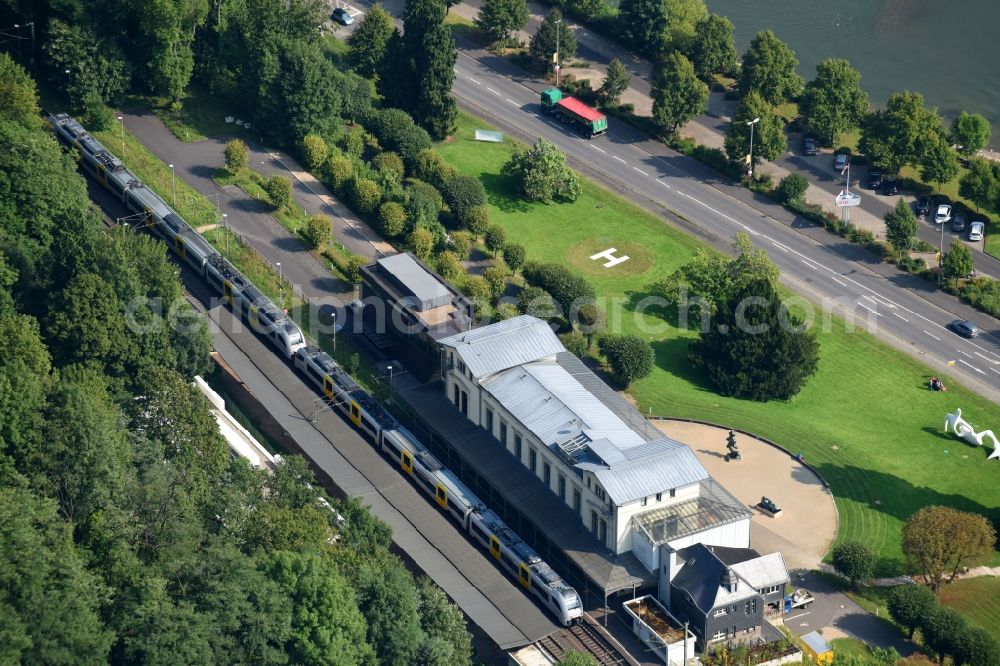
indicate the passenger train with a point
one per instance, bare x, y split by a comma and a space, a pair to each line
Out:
336, 385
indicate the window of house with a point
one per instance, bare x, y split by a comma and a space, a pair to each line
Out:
659, 496
457, 401
746, 608
576, 500
517, 446
461, 366
719, 612
593, 521
547, 473
673, 492
588, 482
719, 635
645, 500
489, 420
503, 432
603, 533
562, 487
600, 492
533, 460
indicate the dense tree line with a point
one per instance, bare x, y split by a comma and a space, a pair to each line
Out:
128, 533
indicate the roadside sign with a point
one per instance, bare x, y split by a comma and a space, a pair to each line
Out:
489, 135
846, 198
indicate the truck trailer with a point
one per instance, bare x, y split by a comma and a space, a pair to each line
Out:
587, 120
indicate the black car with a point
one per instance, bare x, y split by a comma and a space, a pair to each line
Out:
924, 206
964, 327
958, 222
874, 180
889, 186
809, 146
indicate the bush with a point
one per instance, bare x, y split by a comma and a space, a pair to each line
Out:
855, 561
449, 265
496, 278
909, 604
496, 238
477, 220
514, 255
505, 310
352, 142
792, 187
568, 289
390, 166
478, 290
540, 173
536, 302
392, 219
352, 267
463, 193
317, 231
365, 195
313, 150
237, 155
280, 191
629, 356
396, 131
421, 242
431, 167
574, 343
338, 171
942, 629
461, 243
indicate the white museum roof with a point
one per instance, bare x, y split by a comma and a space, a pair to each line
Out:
504, 345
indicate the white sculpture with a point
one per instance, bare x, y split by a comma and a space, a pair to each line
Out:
963, 429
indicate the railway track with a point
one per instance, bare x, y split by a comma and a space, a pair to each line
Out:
582, 637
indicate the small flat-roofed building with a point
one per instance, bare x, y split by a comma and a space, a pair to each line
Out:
632, 487
404, 301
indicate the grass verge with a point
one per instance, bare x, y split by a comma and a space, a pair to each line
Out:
866, 421
978, 599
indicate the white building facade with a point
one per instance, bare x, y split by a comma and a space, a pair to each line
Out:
631, 486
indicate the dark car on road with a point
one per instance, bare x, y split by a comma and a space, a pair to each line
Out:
890, 186
809, 146
342, 16
958, 222
840, 161
874, 180
924, 206
964, 327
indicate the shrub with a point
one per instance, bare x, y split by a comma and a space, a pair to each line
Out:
392, 219
463, 193
568, 289
237, 155
365, 195
478, 290
313, 150
855, 561
514, 255
574, 343
629, 356
280, 191
352, 142
942, 630
449, 265
352, 267
338, 171
421, 242
461, 243
496, 278
477, 220
396, 131
496, 238
390, 166
504, 310
909, 604
317, 231
423, 202
792, 187
540, 173
431, 167
536, 302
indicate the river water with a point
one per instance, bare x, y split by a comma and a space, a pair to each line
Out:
948, 50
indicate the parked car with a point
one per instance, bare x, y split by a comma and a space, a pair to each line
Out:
958, 222
809, 146
874, 180
943, 214
924, 206
964, 327
840, 161
890, 186
341, 16
976, 231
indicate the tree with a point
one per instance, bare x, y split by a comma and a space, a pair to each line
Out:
976, 647
643, 25
901, 227
630, 357
543, 43
970, 132
397, 132
615, 82
574, 343
496, 238
567, 288
463, 193
536, 302
755, 348
540, 173
980, 184
477, 220
280, 190
391, 606
317, 231
500, 19
713, 49
368, 43
435, 109
237, 155
939, 164
392, 219
99, 71
792, 187
339, 171
942, 630
591, 319
769, 139
314, 151
901, 133
365, 195
855, 561
449, 265
683, 17
957, 262
431, 167
678, 94
390, 167
833, 102
461, 243
574, 658
769, 69
909, 604
421, 242
496, 278
514, 255
18, 98
938, 540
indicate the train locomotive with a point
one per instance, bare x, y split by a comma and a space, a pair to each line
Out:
336, 385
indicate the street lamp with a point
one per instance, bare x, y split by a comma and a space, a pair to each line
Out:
334, 332
225, 230
121, 119
389, 368
173, 183
751, 123
558, 25
278, 264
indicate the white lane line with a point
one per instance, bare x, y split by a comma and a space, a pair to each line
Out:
511, 101
619, 159
663, 183
474, 81
783, 248
963, 353
995, 370
556, 125
842, 284
971, 366
810, 264
492, 91
986, 358
862, 305
881, 300
795, 617
933, 336
901, 317
597, 148
640, 171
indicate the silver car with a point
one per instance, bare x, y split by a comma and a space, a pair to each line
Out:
943, 214
976, 231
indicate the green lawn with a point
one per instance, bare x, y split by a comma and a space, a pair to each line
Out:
866, 421
978, 599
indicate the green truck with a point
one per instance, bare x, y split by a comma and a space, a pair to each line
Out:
587, 120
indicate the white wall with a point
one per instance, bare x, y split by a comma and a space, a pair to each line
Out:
733, 535
626, 511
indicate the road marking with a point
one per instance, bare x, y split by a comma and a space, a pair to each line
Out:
995, 370
795, 617
619, 159
493, 91
963, 353
640, 171
881, 300
597, 148
901, 317
663, 183
862, 305
511, 101
783, 248
810, 264
986, 358
474, 81
971, 366
556, 125
933, 336
842, 284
